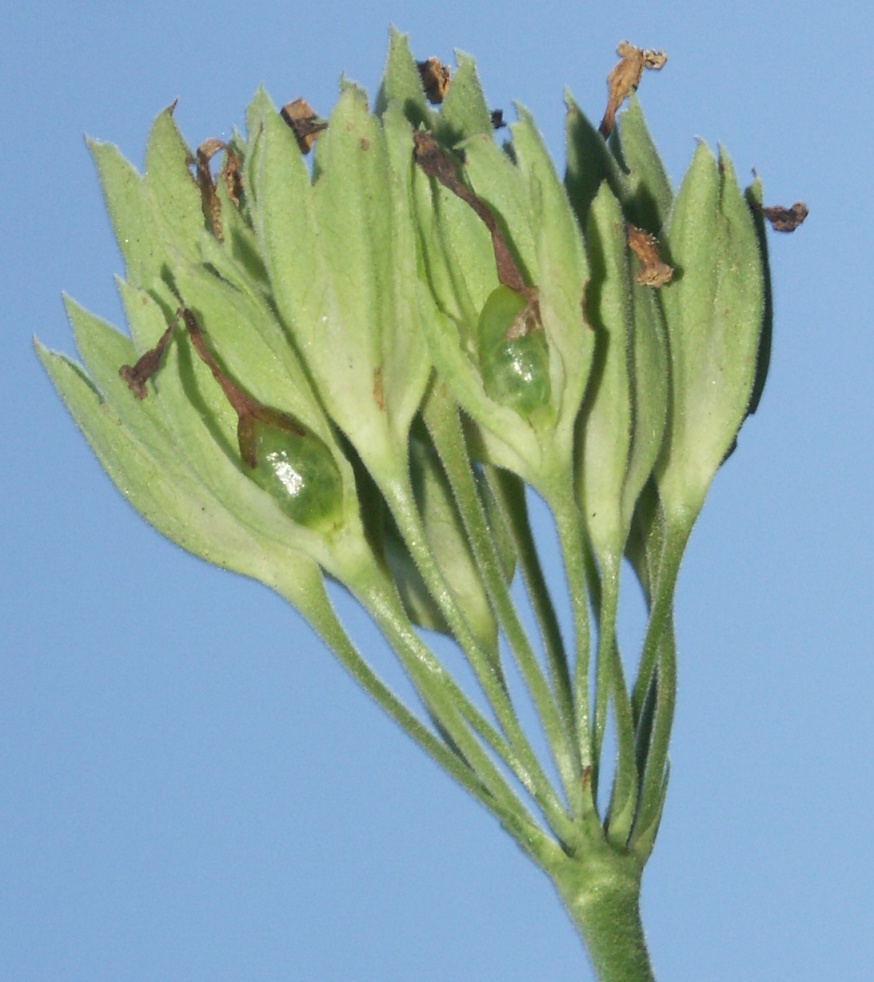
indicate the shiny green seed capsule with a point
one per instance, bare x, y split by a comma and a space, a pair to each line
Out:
295, 467
513, 353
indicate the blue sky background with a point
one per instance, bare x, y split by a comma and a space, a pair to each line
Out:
191, 788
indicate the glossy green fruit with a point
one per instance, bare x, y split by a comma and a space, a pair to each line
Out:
295, 467
513, 354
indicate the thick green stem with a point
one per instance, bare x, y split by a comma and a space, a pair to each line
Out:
602, 895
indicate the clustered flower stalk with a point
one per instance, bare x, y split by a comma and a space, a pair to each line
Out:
357, 369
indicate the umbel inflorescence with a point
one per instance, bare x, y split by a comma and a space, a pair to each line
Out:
356, 367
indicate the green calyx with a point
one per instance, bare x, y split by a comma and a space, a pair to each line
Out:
714, 314
276, 451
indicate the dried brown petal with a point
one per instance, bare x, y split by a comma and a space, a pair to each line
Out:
232, 175
654, 59
625, 77
528, 320
653, 271
240, 402
304, 122
786, 219
147, 364
209, 148
436, 163
435, 79
209, 200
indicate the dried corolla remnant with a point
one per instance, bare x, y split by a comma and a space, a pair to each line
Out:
513, 353
436, 163
137, 375
786, 219
230, 173
279, 454
435, 79
653, 271
624, 78
304, 123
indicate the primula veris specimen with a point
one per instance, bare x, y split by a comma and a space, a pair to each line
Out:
356, 368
